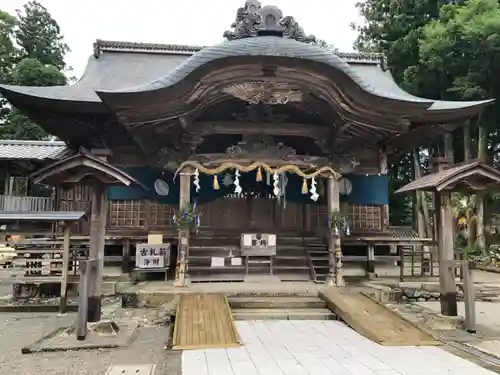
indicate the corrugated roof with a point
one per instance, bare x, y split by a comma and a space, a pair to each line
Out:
32, 150
440, 180
49, 216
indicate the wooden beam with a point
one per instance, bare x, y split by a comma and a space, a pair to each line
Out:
234, 127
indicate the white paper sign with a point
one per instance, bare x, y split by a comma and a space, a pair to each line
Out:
236, 261
217, 262
247, 240
271, 240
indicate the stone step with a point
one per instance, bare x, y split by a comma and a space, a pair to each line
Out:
276, 303
283, 314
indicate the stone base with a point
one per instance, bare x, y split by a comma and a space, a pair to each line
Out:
100, 335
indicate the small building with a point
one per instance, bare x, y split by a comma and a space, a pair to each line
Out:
258, 124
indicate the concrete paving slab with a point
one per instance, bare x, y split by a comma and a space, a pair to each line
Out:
64, 339
323, 348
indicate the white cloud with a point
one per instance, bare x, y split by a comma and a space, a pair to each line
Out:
195, 22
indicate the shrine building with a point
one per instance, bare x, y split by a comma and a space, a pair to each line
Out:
264, 134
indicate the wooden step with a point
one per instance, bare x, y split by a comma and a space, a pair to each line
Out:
283, 314
276, 302
217, 278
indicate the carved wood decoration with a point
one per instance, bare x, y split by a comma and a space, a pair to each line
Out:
261, 145
253, 20
266, 92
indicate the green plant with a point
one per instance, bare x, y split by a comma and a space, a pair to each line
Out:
188, 217
338, 222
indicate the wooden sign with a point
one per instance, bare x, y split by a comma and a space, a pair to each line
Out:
258, 244
152, 255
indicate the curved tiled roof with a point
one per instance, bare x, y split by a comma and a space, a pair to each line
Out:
128, 67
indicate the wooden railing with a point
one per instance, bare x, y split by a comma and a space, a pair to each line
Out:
14, 203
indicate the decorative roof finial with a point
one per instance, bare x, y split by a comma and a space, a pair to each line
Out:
254, 20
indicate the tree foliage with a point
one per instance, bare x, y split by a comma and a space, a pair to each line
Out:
32, 52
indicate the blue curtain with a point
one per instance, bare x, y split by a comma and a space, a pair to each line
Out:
373, 190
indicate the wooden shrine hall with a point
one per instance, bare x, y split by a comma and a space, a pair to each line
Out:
265, 135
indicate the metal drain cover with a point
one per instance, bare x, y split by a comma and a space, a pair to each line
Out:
131, 370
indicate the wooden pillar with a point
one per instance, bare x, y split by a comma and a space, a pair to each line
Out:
183, 239
126, 256
444, 220
385, 208
334, 245
63, 301
6, 184
306, 217
370, 260
97, 234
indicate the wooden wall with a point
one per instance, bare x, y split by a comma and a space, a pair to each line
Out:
231, 213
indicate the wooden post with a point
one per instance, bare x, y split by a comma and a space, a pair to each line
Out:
63, 301
334, 245
94, 296
126, 255
384, 168
469, 297
370, 260
183, 241
306, 217
444, 220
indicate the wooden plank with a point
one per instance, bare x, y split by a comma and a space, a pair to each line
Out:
374, 321
204, 321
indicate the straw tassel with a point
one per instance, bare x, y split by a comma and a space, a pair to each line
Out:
259, 174
216, 183
304, 186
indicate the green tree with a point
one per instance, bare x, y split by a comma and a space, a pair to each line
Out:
32, 52
39, 36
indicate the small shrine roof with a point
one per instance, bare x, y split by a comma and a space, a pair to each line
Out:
470, 176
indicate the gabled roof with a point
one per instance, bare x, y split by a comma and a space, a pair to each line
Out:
79, 166
32, 150
468, 176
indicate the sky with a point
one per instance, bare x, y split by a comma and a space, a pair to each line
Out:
192, 22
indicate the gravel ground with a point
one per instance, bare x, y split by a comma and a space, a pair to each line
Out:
21, 329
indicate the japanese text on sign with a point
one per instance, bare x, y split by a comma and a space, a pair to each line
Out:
152, 255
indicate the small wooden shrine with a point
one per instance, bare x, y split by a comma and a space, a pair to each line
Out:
264, 133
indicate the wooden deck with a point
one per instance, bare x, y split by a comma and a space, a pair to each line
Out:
204, 321
374, 321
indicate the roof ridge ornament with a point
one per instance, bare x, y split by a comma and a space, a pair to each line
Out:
254, 20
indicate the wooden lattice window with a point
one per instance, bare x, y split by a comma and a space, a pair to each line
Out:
127, 214
160, 215
364, 216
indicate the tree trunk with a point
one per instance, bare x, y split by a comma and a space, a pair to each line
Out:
467, 143
423, 218
482, 154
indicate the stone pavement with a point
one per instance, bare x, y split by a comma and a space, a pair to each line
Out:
319, 348
22, 329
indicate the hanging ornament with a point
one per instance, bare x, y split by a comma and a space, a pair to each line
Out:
314, 194
198, 222
268, 178
259, 175
216, 182
237, 187
336, 231
284, 183
227, 180
276, 181
304, 186
196, 180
